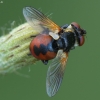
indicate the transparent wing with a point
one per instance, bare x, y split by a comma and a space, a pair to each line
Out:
39, 21
55, 73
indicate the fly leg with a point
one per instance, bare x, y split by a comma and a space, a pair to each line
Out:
45, 61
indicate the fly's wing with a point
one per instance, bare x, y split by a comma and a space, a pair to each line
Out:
55, 73
39, 21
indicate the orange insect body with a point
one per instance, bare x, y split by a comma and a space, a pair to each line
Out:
39, 47
53, 42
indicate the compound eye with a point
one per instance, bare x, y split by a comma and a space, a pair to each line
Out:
75, 24
81, 34
82, 40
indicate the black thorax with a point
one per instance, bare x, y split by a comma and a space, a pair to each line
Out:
65, 42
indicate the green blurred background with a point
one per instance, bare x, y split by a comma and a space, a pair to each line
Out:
82, 76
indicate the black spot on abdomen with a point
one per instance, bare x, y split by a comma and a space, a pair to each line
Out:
42, 49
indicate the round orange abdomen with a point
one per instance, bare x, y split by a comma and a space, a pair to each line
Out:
41, 47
